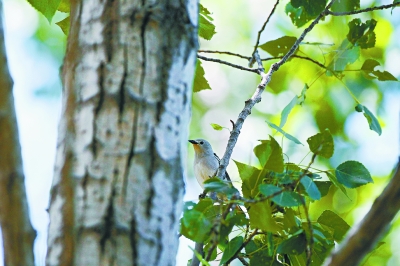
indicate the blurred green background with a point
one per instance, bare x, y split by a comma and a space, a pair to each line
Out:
36, 48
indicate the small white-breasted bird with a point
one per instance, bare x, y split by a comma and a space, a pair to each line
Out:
206, 162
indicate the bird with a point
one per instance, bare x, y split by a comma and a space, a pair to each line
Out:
206, 162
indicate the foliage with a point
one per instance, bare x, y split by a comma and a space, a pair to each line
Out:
274, 224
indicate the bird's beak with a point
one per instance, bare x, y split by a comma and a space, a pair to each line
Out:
193, 142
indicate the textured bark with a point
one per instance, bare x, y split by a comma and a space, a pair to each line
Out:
17, 231
118, 183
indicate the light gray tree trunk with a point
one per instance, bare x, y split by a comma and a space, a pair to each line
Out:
18, 234
118, 183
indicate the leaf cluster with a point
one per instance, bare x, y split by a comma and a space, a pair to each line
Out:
272, 224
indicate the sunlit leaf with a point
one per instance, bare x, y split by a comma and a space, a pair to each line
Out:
334, 221
275, 160
322, 144
263, 151
286, 135
362, 34
311, 188
64, 6
346, 54
279, 46
261, 217
200, 82
64, 25
47, 7
206, 27
372, 121
250, 179
231, 249
353, 174
334, 181
217, 127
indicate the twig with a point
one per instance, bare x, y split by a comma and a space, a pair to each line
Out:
242, 246
198, 247
256, 98
223, 52
259, 33
310, 243
242, 260
215, 231
263, 59
362, 10
363, 237
227, 63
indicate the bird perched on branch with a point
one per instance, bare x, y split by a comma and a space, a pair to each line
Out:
206, 162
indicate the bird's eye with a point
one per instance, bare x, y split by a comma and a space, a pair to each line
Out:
201, 142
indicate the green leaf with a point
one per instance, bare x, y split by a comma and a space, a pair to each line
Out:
250, 179
284, 199
275, 161
279, 46
372, 121
286, 111
286, 135
346, 54
311, 188
196, 222
288, 199
217, 185
64, 6
288, 108
232, 248
294, 245
263, 151
334, 221
261, 217
64, 25
346, 5
200, 82
362, 34
359, 108
268, 189
334, 180
353, 174
217, 127
259, 255
47, 7
322, 144
312, 8
206, 27
368, 68
199, 257
323, 187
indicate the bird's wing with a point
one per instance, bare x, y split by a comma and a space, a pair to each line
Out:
227, 177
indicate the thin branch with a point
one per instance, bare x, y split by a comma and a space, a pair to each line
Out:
223, 52
227, 63
362, 10
260, 31
198, 247
215, 231
243, 245
256, 98
310, 241
363, 237
263, 59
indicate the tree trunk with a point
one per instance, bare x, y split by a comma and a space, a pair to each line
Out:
118, 183
17, 231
